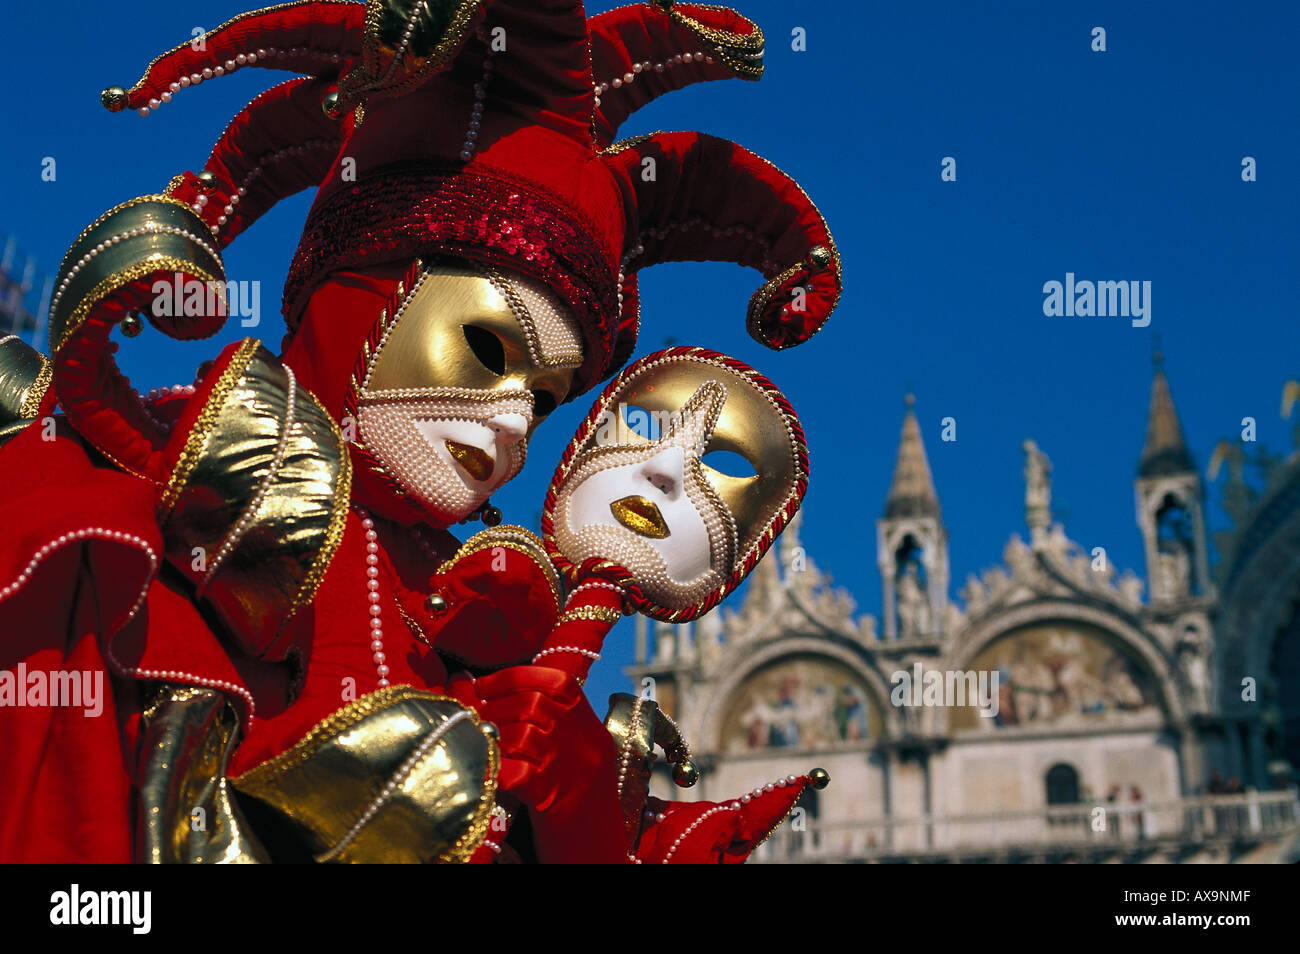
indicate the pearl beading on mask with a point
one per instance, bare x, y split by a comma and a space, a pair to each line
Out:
151, 229
550, 331
255, 504
386, 422
691, 432
395, 782
240, 60
389, 323
637, 68
372, 598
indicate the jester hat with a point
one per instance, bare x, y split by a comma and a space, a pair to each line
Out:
485, 130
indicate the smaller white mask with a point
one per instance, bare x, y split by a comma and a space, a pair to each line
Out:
650, 508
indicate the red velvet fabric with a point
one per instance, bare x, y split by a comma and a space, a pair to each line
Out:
557, 760
698, 833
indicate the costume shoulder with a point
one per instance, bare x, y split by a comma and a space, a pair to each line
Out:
25, 376
254, 506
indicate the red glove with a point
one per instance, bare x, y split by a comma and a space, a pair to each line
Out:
557, 759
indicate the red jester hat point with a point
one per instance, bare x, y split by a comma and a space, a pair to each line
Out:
484, 129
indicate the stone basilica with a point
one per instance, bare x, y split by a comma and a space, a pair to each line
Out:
1132, 720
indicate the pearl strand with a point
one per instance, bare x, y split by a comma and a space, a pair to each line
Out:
627, 78
480, 97
240, 59
625, 757
241, 191
593, 656
372, 597
152, 229
734, 806
594, 585
395, 781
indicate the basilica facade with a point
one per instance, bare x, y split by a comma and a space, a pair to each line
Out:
1055, 711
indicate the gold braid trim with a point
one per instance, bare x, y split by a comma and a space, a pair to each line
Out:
334, 533
468, 843
742, 52
36, 393
598, 614
199, 435
260, 780
511, 537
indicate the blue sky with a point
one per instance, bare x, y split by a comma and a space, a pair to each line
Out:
1117, 165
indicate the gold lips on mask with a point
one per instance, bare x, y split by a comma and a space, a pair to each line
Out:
475, 461
640, 515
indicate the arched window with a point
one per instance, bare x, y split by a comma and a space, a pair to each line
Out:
1062, 785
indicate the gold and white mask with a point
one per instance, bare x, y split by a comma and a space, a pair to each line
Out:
654, 502
466, 367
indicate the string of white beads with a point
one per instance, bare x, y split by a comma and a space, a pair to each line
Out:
121, 536
395, 782
476, 112
637, 68
151, 229
593, 656
372, 598
249, 58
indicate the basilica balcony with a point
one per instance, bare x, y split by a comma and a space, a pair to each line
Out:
1211, 827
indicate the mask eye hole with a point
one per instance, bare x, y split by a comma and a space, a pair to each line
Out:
543, 403
729, 463
487, 347
643, 423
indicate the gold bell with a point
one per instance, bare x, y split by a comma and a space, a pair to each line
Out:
330, 103
208, 179
819, 257
685, 773
114, 99
132, 325
490, 730
435, 604
819, 778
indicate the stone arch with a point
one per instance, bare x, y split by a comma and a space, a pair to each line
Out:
754, 660
1260, 581
1139, 644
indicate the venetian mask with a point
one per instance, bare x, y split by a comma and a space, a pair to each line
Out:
642, 485
465, 368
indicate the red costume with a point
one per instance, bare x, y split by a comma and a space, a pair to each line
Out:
251, 577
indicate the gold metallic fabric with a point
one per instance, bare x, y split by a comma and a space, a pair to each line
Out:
631, 721
24, 378
399, 775
187, 812
129, 242
427, 345
263, 506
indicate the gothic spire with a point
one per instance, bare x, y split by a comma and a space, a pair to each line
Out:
1165, 451
912, 492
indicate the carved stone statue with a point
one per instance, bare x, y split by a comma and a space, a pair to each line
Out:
1038, 488
913, 605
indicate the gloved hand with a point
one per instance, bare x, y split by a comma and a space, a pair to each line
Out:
557, 760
